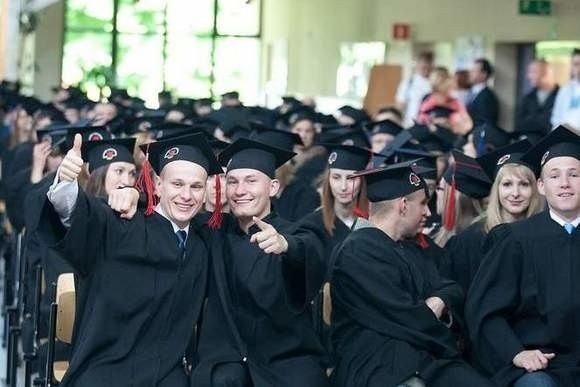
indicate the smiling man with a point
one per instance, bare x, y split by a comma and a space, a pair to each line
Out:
143, 281
523, 307
257, 330
390, 308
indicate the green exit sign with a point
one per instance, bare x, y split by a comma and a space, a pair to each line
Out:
535, 7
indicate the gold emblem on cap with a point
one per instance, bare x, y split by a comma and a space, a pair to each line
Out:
171, 153
414, 179
544, 157
109, 154
332, 158
503, 159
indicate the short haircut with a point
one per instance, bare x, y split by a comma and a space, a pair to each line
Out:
576, 51
393, 110
426, 56
486, 67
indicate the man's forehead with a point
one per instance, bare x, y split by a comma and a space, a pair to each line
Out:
563, 162
244, 173
183, 169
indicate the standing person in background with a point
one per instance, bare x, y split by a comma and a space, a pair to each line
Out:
483, 106
413, 89
459, 121
462, 86
535, 108
567, 106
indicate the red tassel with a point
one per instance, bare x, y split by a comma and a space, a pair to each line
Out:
145, 184
215, 221
422, 241
449, 223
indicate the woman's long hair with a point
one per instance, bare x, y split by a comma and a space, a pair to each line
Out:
493, 214
95, 184
467, 211
327, 202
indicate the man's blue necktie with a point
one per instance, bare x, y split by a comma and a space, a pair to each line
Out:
569, 227
181, 236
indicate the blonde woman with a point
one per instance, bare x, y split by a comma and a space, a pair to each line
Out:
514, 196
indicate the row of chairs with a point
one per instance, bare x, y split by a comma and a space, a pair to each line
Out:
24, 287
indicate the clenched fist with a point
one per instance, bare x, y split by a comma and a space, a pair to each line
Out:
72, 164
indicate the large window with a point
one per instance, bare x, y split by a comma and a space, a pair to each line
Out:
193, 48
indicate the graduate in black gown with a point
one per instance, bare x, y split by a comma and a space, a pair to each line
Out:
513, 197
296, 197
522, 308
256, 329
391, 308
145, 280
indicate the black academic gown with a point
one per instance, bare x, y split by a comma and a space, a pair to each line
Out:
257, 313
532, 116
383, 331
296, 201
143, 294
526, 296
484, 108
466, 251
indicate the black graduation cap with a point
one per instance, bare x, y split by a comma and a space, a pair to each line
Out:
193, 147
142, 124
204, 102
439, 111
440, 140
394, 181
348, 157
560, 142
279, 138
167, 130
345, 136
88, 133
57, 138
218, 146
231, 94
385, 126
487, 137
468, 175
245, 153
511, 154
100, 153
358, 115
424, 161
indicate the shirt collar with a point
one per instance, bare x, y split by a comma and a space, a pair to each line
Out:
558, 219
176, 228
478, 87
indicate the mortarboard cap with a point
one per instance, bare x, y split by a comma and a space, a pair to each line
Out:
511, 154
231, 94
345, 136
468, 176
560, 142
245, 153
101, 153
358, 115
274, 137
439, 111
392, 182
487, 137
57, 138
194, 148
385, 126
348, 157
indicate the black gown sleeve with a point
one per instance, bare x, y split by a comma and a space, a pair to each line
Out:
85, 242
491, 298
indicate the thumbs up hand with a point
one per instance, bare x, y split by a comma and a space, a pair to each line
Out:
268, 239
72, 164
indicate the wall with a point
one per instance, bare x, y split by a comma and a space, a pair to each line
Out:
314, 29
49, 37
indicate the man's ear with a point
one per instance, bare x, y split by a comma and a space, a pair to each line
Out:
403, 202
274, 187
541, 188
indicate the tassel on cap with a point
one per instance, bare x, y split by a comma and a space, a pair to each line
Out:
145, 184
215, 221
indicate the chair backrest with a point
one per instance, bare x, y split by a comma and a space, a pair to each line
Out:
326, 304
66, 301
